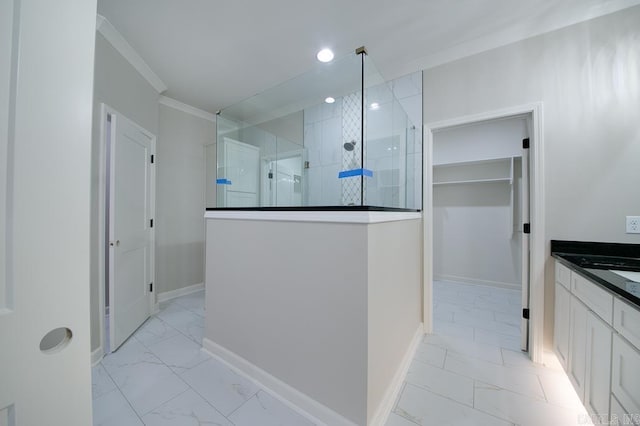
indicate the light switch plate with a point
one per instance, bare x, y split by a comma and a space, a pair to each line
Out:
633, 224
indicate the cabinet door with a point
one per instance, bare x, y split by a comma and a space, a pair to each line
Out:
598, 367
561, 325
577, 345
625, 384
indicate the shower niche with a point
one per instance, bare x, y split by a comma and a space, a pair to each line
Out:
338, 136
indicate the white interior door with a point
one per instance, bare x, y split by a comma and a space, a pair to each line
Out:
525, 209
130, 228
46, 94
284, 186
241, 166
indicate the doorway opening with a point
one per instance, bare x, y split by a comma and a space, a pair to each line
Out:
282, 180
480, 256
484, 250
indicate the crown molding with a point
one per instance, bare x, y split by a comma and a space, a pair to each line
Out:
172, 103
111, 34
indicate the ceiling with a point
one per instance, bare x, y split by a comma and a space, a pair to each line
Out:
211, 54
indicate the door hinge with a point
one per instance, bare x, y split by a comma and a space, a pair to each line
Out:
153, 157
525, 313
150, 287
526, 228
270, 175
151, 223
525, 143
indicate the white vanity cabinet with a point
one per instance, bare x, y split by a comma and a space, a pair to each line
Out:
625, 383
561, 325
596, 339
598, 366
576, 367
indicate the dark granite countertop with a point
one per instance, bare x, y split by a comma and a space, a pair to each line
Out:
595, 261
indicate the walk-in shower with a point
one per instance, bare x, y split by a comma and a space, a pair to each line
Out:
288, 147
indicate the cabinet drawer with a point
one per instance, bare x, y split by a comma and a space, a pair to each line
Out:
626, 321
625, 385
563, 275
597, 299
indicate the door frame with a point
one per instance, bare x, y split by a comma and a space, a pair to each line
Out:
276, 157
102, 220
537, 216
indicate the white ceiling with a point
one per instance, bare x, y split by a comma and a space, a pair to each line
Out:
211, 54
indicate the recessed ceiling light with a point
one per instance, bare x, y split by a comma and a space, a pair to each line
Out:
329, 100
374, 106
325, 55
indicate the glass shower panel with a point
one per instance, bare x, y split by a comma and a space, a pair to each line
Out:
335, 136
392, 142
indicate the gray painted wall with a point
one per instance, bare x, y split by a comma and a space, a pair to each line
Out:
290, 297
180, 180
394, 301
587, 77
328, 308
121, 87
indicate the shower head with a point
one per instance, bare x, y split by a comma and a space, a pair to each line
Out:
349, 146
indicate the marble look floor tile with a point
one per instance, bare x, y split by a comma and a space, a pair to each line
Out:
179, 353
513, 319
154, 331
496, 339
112, 409
431, 354
396, 420
521, 409
143, 379
469, 348
187, 409
101, 383
194, 302
493, 374
487, 325
558, 390
426, 408
444, 383
220, 386
131, 352
264, 410
185, 321
453, 329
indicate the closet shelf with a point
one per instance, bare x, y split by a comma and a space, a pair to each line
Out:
456, 182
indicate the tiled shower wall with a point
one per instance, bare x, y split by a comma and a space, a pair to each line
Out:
323, 143
328, 126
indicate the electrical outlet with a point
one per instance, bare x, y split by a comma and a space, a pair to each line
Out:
633, 224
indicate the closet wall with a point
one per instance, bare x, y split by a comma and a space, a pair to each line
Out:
476, 203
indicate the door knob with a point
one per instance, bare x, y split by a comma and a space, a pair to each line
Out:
117, 243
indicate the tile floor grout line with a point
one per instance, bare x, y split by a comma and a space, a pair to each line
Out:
124, 396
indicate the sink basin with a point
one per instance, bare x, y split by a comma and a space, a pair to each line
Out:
630, 275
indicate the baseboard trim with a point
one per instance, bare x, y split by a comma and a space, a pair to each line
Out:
467, 280
291, 397
381, 415
96, 356
168, 295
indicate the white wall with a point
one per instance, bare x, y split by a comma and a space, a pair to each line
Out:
180, 204
121, 87
473, 224
587, 77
